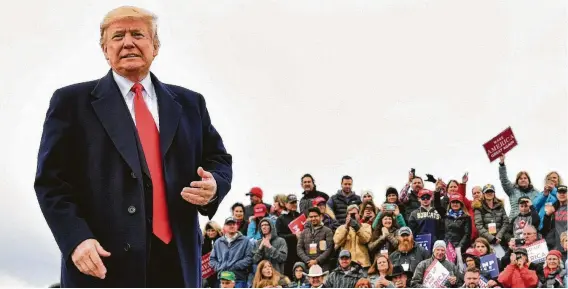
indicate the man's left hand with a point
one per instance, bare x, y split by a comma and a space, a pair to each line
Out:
200, 192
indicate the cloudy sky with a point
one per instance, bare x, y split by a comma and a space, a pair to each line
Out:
366, 88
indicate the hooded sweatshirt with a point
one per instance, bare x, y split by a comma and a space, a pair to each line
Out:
276, 254
302, 282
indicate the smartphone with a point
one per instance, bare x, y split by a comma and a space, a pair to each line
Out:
413, 171
352, 215
390, 207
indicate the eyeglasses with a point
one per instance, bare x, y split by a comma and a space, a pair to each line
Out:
426, 197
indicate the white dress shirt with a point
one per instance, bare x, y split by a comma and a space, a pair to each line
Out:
149, 95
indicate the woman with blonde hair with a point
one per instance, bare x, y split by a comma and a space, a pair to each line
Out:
378, 272
279, 205
548, 195
491, 219
266, 276
211, 232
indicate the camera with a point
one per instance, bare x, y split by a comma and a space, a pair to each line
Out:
519, 242
352, 215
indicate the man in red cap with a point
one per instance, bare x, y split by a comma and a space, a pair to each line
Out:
255, 198
427, 219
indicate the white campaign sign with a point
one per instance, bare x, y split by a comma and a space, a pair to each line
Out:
537, 251
436, 275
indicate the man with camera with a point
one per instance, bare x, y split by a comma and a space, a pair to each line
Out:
518, 273
529, 236
354, 237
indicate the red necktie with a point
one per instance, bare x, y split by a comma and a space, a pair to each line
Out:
150, 138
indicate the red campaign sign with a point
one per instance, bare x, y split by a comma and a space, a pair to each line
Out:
206, 270
297, 225
501, 144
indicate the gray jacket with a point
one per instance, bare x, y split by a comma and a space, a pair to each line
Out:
345, 279
418, 277
514, 191
276, 254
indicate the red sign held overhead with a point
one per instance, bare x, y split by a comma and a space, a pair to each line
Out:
500, 145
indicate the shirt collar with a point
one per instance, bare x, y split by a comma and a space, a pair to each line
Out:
125, 84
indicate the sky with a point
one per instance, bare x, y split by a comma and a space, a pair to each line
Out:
364, 88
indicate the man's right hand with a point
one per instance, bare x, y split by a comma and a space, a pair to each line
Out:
312, 262
86, 258
502, 159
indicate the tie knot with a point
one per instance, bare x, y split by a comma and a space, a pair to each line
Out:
137, 88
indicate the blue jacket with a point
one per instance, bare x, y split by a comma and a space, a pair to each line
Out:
235, 257
92, 183
540, 201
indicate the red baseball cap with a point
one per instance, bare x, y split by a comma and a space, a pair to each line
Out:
424, 192
256, 191
456, 197
317, 201
260, 210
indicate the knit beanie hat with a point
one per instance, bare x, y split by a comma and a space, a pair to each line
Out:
439, 243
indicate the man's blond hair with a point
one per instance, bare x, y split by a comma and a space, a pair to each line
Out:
131, 13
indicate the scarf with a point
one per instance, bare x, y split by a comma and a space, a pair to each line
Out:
455, 214
551, 277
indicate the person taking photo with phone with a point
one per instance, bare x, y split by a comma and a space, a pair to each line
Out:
354, 237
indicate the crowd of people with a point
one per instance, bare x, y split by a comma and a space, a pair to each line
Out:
416, 238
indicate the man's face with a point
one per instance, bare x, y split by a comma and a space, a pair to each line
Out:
230, 228
471, 280
529, 235
129, 47
476, 193
355, 212
255, 200
265, 227
316, 281
400, 281
440, 253
227, 284
344, 262
346, 185
417, 184
307, 184
314, 218
425, 200
524, 208
292, 207
299, 273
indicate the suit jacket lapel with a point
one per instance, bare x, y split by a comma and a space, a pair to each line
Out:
113, 113
170, 113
